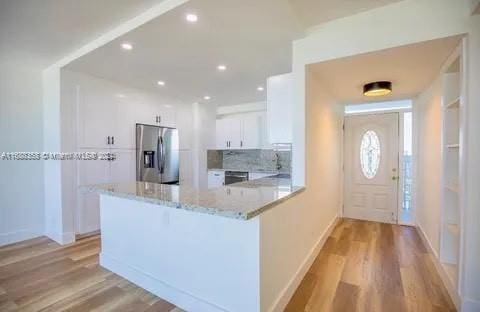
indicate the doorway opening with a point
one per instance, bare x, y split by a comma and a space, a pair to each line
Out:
379, 162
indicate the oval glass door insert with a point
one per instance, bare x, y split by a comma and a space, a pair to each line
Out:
370, 154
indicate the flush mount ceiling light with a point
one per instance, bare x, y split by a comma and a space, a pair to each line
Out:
161, 83
377, 88
192, 18
206, 97
260, 88
127, 46
222, 67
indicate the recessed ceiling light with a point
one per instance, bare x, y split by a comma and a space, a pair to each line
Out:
206, 97
120, 95
192, 18
377, 88
222, 67
161, 83
127, 46
260, 88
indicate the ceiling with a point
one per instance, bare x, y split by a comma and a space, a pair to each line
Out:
252, 38
315, 12
47, 30
411, 69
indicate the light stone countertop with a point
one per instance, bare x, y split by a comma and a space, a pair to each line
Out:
246, 170
243, 200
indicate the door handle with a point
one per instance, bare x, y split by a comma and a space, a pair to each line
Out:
241, 143
108, 140
113, 140
395, 178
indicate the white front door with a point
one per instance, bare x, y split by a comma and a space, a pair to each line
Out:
371, 167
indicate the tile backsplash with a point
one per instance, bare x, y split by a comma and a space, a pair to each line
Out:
257, 159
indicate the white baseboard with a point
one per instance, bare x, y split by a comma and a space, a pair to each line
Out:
61, 238
17, 236
451, 288
287, 293
167, 292
469, 305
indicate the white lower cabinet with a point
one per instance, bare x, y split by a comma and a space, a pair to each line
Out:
216, 178
90, 172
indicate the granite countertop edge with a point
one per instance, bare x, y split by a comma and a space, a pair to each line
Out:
196, 208
273, 172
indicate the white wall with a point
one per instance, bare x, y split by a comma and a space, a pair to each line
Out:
21, 120
292, 232
471, 287
427, 114
386, 27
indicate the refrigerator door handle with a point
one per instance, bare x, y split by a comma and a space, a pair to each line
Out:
162, 168
159, 154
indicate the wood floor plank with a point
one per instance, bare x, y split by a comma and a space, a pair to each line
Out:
384, 268
161, 306
363, 266
328, 277
346, 297
302, 294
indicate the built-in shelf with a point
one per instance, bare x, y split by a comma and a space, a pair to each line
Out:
453, 104
452, 145
452, 162
453, 229
452, 187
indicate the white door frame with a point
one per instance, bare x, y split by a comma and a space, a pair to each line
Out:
400, 164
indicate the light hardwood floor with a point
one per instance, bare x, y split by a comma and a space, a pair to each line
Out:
369, 266
364, 266
40, 275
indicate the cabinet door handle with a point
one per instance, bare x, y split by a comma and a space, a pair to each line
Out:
241, 143
113, 140
159, 119
108, 140
156, 119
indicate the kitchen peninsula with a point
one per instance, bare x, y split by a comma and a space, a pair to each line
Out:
203, 250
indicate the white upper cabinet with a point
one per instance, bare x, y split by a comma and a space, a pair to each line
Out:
252, 131
280, 108
123, 119
235, 131
240, 131
107, 116
222, 133
95, 122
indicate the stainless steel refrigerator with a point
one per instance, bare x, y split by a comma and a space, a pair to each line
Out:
157, 154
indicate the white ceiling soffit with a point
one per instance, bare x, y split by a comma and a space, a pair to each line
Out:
411, 69
47, 30
252, 38
314, 12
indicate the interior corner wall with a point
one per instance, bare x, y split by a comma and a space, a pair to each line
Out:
427, 127
387, 27
21, 123
294, 232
